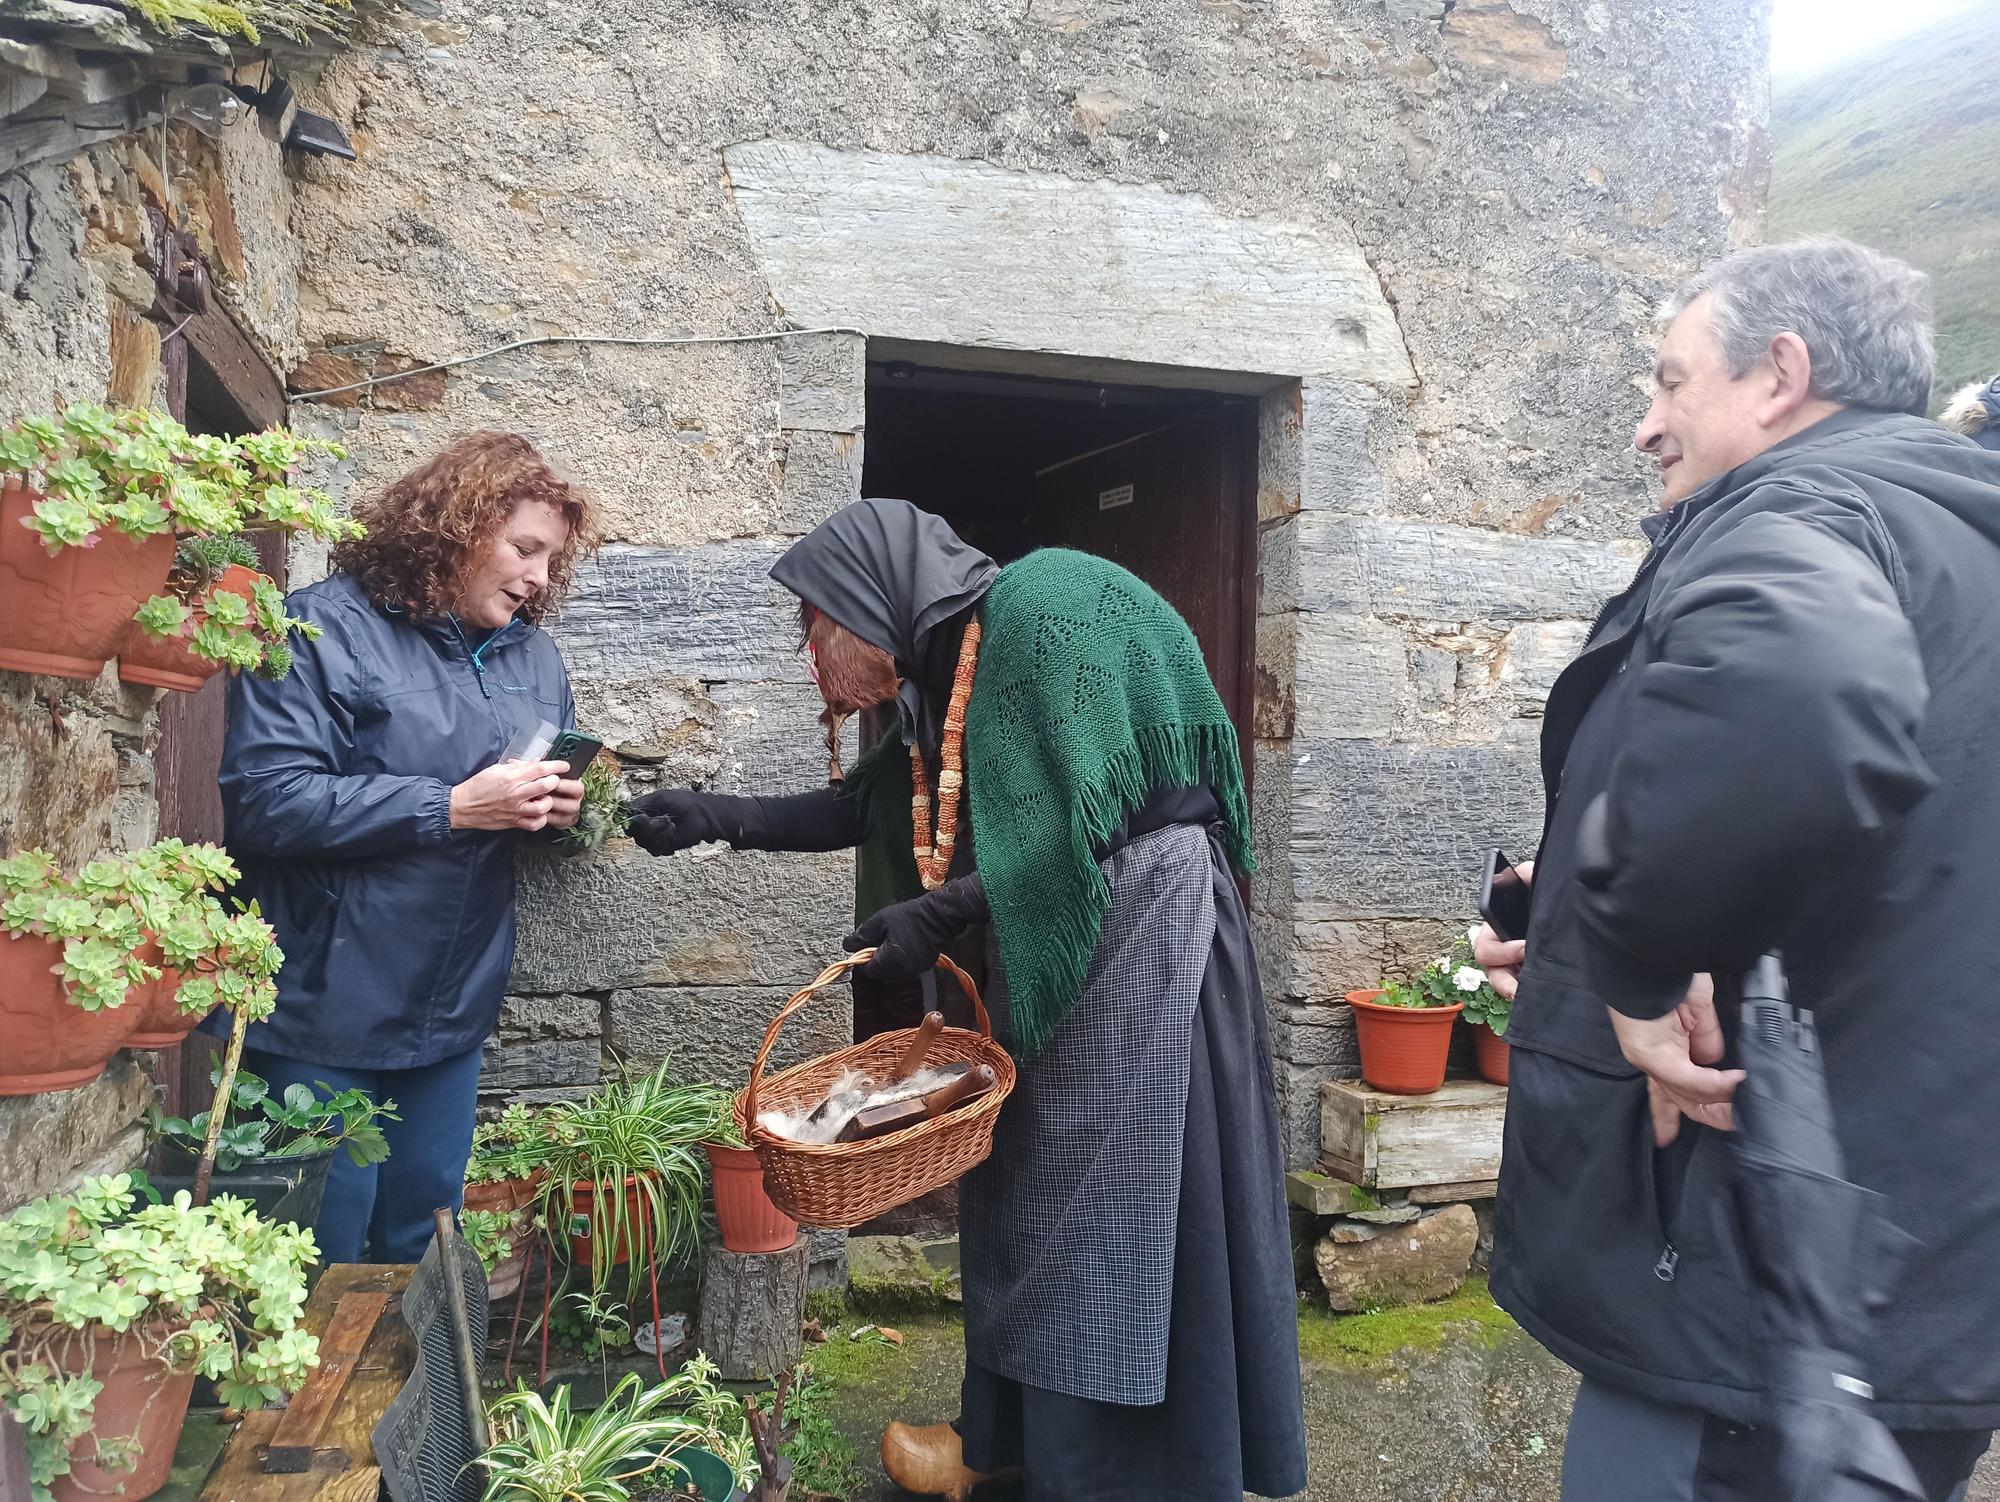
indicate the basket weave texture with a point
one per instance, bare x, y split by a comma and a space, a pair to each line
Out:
839, 1185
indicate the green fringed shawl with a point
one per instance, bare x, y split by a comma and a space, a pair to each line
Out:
1091, 692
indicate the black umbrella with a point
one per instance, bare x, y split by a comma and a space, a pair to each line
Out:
1816, 1248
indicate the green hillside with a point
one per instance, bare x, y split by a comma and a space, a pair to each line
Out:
1901, 150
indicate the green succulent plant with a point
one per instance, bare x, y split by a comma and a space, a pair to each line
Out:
212, 1289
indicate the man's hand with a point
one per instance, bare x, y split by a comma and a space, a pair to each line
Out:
510, 795
1501, 958
1674, 1052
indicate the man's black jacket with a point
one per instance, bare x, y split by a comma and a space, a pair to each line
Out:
1784, 735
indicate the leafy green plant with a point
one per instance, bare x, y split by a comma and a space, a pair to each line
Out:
212, 1289
141, 473
110, 912
604, 813
259, 1126
220, 622
297, 19
1450, 980
517, 1146
823, 1459
490, 1234
545, 1450
646, 1130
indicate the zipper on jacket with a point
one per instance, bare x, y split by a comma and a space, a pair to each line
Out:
1669, 1265
478, 667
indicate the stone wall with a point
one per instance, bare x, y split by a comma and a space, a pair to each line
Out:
1432, 232
76, 759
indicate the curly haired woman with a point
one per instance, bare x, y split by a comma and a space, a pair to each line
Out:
366, 797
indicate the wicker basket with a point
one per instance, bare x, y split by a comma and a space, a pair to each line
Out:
838, 1185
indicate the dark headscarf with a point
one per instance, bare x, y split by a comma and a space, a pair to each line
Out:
892, 575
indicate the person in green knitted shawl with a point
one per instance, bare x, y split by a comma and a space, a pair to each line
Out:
1126, 1256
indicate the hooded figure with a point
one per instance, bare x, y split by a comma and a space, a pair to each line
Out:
1975, 412
1129, 1308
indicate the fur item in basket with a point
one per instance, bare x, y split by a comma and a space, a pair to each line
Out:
819, 1126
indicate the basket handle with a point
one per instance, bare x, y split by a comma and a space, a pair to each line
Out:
826, 978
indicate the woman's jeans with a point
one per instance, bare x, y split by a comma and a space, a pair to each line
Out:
385, 1210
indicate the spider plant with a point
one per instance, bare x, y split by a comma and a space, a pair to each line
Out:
626, 1169
544, 1450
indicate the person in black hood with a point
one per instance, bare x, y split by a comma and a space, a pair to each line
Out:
1785, 735
1975, 412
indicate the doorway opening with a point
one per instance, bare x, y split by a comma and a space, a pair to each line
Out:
1162, 481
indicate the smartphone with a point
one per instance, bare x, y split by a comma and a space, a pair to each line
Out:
576, 748
1503, 896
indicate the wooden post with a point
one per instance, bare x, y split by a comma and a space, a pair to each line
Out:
753, 1309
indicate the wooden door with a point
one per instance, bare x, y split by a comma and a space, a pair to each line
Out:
1175, 506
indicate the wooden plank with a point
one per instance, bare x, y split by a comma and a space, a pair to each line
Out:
236, 365
1383, 1141
378, 1376
340, 1349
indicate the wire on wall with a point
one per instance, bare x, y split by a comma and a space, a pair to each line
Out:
509, 348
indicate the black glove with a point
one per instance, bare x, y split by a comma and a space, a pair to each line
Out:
908, 936
676, 818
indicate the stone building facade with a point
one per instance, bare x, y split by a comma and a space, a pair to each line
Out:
1403, 251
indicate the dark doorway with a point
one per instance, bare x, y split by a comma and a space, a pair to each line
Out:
1161, 481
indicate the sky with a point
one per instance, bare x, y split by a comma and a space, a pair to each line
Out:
1809, 34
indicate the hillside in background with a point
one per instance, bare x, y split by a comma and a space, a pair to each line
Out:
1901, 150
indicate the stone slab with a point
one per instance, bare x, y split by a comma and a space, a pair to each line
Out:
50, 1142
1369, 566
713, 1033
710, 612
890, 244
823, 382
705, 917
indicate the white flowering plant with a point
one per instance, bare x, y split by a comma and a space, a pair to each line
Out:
1451, 980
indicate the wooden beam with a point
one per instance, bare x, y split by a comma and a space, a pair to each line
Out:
298, 1433
229, 360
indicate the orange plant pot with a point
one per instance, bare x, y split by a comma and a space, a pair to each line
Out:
45, 1043
162, 1024
1403, 1049
143, 1400
750, 1219
166, 661
583, 1206
66, 612
507, 1196
1492, 1051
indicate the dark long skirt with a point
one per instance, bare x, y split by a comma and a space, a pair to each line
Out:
1230, 1419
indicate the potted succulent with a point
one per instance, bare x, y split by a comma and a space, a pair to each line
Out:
85, 961
1485, 1008
624, 1178
1404, 1028
503, 1179
218, 612
108, 1313
750, 1221
91, 503
274, 1151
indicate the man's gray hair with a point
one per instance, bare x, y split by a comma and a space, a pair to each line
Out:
1865, 318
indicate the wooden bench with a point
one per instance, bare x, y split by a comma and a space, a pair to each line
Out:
327, 1428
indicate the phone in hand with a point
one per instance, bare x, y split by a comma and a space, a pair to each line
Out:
576, 748
1504, 896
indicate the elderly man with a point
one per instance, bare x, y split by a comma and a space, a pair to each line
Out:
1784, 735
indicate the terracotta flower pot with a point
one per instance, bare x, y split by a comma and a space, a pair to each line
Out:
583, 1217
66, 612
1492, 1051
166, 661
1403, 1049
162, 1024
142, 1401
750, 1219
507, 1196
45, 1043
